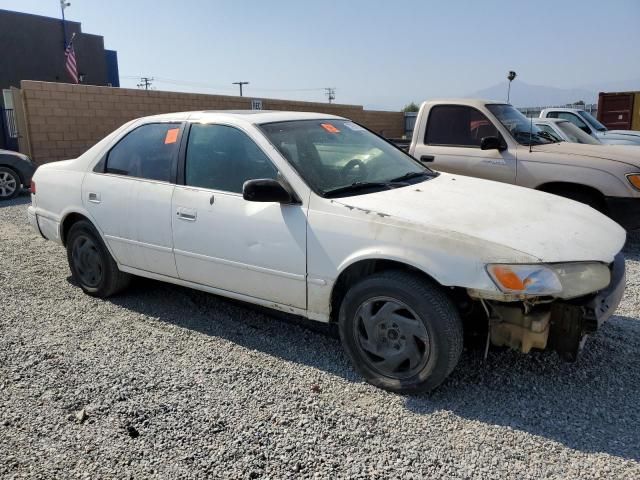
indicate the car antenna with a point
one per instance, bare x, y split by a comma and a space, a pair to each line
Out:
530, 132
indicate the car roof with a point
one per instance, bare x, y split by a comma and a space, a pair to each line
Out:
241, 116
549, 120
471, 102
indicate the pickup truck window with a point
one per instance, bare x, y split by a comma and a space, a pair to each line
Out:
337, 157
458, 125
521, 128
147, 152
592, 121
220, 157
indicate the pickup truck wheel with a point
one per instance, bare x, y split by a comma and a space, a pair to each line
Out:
9, 183
91, 264
401, 332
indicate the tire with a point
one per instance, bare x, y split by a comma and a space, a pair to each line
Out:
10, 183
386, 316
91, 264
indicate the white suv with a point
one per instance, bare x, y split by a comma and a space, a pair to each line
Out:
314, 215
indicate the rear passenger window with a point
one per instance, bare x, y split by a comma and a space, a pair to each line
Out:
223, 158
457, 125
147, 152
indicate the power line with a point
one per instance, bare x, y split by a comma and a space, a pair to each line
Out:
208, 86
145, 82
330, 92
240, 84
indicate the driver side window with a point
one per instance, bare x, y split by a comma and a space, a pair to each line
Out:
220, 157
458, 125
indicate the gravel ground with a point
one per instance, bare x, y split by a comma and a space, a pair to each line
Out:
166, 382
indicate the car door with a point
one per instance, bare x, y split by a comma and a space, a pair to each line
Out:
452, 144
129, 193
223, 241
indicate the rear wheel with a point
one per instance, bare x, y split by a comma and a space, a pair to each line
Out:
10, 183
91, 264
401, 331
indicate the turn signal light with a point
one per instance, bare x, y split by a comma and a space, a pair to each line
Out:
508, 279
634, 179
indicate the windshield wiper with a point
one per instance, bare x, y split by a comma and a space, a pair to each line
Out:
548, 136
410, 175
357, 186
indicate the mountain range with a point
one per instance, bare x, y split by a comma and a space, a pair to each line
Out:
526, 95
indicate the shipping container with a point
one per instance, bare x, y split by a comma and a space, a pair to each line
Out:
619, 110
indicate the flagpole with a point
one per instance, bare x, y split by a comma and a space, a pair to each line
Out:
64, 4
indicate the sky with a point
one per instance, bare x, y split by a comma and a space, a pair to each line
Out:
382, 54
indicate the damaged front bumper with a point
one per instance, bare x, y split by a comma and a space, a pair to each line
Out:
561, 325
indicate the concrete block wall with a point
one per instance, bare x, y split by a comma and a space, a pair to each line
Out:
64, 120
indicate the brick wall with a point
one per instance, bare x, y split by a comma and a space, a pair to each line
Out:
64, 120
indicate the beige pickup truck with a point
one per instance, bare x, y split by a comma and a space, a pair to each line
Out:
493, 140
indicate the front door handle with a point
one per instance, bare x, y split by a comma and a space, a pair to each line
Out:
188, 214
427, 158
94, 197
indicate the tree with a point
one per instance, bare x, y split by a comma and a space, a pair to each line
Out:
411, 107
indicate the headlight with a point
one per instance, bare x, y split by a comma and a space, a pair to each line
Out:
634, 179
562, 280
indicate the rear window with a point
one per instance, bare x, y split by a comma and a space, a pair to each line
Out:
147, 152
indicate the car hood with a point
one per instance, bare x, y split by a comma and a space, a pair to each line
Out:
628, 154
541, 225
628, 135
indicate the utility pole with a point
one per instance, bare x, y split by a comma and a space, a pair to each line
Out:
64, 4
145, 82
330, 92
240, 84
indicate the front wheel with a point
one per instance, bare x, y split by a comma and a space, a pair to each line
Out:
92, 266
401, 331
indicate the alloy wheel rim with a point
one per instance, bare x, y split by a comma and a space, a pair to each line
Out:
391, 337
87, 261
8, 184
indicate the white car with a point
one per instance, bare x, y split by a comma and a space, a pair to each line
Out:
565, 131
589, 124
314, 215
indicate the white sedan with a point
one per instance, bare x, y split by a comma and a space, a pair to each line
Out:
314, 215
564, 131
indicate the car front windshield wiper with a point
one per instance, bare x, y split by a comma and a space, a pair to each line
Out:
410, 175
358, 186
526, 138
548, 136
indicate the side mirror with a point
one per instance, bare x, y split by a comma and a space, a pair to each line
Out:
265, 190
491, 143
586, 129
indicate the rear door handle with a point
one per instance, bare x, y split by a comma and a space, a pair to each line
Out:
188, 214
94, 197
427, 158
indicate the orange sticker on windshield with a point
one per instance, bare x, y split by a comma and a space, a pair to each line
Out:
172, 136
329, 128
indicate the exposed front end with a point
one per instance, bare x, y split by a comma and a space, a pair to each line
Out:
560, 324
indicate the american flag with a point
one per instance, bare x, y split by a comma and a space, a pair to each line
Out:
70, 63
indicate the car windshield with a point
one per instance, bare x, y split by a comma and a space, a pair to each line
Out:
590, 119
521, 128
341, 158
576, 135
